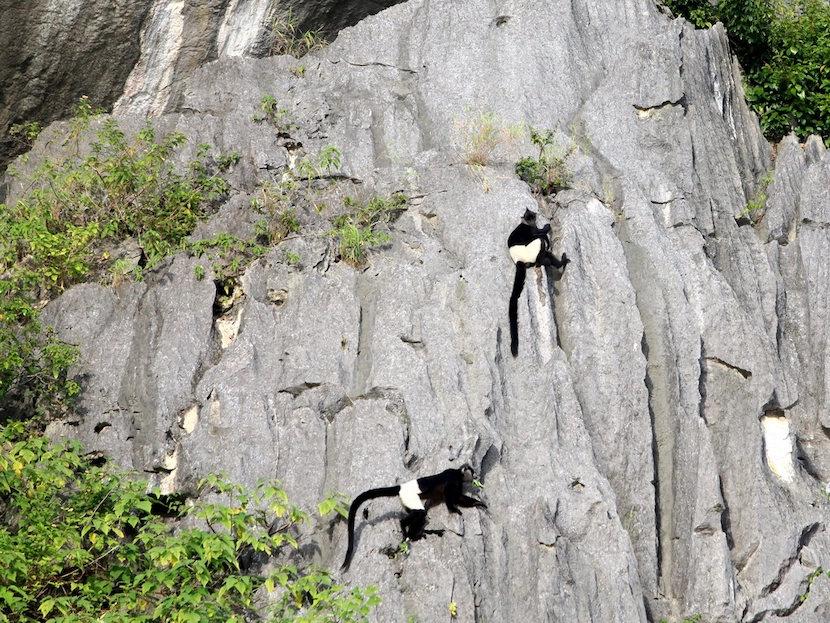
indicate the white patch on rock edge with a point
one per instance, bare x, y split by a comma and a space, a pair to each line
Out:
778, 446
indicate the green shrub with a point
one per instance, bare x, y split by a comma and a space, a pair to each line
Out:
791, 91
783, 47
82, 543
303, 188
57, 235
34, 364
274, 114
287, 38
755, 206
548, 173
26, 133
275, 201
123, 188
231, 254
355, 241
355, 229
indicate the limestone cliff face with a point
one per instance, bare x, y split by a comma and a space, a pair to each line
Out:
134, 55
657, 449
52, 53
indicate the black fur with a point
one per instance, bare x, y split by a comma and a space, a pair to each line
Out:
524, 234
444, 487
518, 286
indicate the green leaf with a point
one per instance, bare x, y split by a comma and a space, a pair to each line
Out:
46, 606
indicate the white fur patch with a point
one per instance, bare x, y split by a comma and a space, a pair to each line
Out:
527, 253
778, 445
410, 496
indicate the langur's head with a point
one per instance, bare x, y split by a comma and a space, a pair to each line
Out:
530, 217
467, 472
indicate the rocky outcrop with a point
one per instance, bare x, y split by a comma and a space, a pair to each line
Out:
53, 53
658, 449
179, 37
135, 55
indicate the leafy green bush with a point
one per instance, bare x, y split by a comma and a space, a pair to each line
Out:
123, 188
275, 115
792, 90
230, 254
356, 230
756, 205
57, 235
275, 201
82, 543
783, 46
287, 38
26, 133
549, 172
33, 363
302, 189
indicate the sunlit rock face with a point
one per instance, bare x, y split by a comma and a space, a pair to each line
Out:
136, 55
656, 450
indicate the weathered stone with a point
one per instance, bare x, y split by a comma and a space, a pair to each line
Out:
657, 449
138, 53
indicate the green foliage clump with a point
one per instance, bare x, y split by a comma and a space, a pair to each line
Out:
34, 364
356, 228
275, 201
230, 254
123, 188
306, 187
26, 133
784, 47
548, 173
79, 205
286, 36
281, 201
225, 162
274, 114
755, 206
83, 543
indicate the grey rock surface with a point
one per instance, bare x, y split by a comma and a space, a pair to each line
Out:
135, 55
53, 53
658, 449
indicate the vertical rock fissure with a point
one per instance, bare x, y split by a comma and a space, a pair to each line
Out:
654, 457
366, 320
659, 364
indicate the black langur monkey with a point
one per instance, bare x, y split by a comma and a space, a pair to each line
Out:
528, 246
445, 487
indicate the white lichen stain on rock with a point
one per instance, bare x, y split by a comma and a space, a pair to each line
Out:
241, 26
189, 419
228, 327
169, 464
148, 87
778, 446
215, 411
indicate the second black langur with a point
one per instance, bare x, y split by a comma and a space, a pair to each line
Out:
528, 246
444, 487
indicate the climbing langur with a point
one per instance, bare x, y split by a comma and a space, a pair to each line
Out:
444, 487
528, 246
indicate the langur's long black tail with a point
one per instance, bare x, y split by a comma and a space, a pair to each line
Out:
384, 492
518, 286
